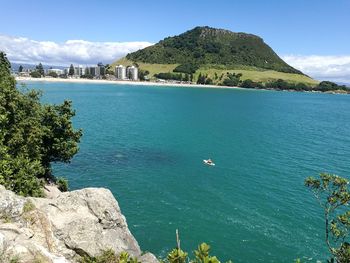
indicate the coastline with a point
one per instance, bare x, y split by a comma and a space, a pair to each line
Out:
160, 84
126, 82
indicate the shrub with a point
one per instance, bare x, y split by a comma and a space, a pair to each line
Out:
28, 206
35, 74
62, 184
109, 256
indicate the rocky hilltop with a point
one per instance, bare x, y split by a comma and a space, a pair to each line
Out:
64, 227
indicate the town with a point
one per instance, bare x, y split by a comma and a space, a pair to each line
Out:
100, 71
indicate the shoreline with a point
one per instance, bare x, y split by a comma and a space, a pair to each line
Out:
126, 82
160, 84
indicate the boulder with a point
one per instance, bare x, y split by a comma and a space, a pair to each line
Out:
64, 227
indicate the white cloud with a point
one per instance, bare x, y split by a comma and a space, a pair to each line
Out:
24, 50
334, 68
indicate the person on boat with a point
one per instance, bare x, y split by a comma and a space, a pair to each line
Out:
209, 161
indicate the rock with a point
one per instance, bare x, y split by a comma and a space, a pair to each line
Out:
51, 191
65, 227
149, 258
11, 205
2, 243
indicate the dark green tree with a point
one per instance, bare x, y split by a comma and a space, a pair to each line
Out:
35, 74
32, 136
71, 70
20, 68
248, 83
333, 195
53, 74
40, 69
232, 79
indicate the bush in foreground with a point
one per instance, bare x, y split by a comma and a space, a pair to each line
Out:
333, 195
32, 136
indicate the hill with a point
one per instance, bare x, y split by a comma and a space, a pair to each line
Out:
211, 51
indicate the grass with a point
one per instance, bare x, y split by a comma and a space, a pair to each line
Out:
255, 74
152, 68
28, 206
258, 75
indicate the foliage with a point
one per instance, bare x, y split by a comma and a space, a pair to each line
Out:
143, 74
330, 86
109, 69
333, 196
35, 74
249, 84
169, 76
109, 256
62, 184
281, 84
28, 206
71, 70
205, 45
232, 79
40, 69
188, 68
87, 76
52, 74
204, 79
177, 256
202, 255
32, 136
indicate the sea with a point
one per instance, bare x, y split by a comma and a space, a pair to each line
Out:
147, 145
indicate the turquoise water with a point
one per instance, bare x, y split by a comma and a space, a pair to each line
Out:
147, 144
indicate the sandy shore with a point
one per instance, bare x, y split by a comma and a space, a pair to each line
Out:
126, 82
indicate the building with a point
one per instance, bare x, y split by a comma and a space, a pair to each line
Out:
120, 72
55, 70
132, 73
78, 71
101, 68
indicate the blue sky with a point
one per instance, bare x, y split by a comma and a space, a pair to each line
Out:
298, 28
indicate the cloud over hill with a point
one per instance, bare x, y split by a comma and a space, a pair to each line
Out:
24, 50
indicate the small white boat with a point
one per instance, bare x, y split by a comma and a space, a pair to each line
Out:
207, 162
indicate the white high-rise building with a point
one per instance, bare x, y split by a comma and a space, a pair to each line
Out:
120, 72
132, 73
79, 70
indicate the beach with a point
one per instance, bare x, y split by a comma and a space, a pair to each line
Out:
124, 82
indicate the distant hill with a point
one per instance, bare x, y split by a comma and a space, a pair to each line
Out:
15, 66
214, 52
205, 45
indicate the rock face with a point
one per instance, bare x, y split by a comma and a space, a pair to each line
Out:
64, 228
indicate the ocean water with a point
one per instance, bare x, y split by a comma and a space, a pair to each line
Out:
146, 144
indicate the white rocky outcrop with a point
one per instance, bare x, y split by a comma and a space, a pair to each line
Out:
64, 228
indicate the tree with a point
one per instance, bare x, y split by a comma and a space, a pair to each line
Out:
40, 69
20, 68
232, 79
248, 83
333, 195
32, 136
142, 74
52, 74
71, 70
35, 74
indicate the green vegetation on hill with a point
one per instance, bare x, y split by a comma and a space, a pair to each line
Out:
32, 136
205, 45
210, 52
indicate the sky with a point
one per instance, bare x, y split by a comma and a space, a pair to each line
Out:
310, 35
